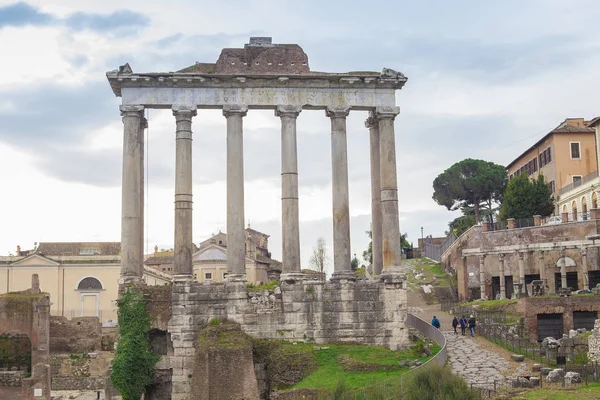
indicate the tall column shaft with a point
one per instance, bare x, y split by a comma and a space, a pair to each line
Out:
143, 126
584, 269
341, 207
563, 269
521, 269
502, 279
289, 189
236, 241
542, 268
482, 276
183, 250
376, 251
390, 231
131, 213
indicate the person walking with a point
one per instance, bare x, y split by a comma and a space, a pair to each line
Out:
455, 324
435, 322
472, 325
463, 325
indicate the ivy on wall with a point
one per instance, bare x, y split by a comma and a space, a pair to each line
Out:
133, 366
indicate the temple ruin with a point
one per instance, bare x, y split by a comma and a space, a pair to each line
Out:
263, 75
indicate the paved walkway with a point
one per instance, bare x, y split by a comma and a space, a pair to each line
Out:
477, 366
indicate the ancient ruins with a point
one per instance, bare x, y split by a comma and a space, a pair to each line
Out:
263, 75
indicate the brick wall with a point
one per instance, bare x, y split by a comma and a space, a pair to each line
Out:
78, 335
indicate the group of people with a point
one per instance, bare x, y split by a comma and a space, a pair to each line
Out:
463, 322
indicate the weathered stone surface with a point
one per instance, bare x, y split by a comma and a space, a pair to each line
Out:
535, 381
518, 357
594, 343
224, 366
556, 375
12, 378
536, 367
545, 371
77, 335
572, 377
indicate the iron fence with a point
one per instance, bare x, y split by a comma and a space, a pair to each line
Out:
435, 251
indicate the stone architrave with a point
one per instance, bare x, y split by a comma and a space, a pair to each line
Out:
482, 276
182, 260
236, 242
373, 124
502, 278
390, 225
131, 232
290, 221
341, 206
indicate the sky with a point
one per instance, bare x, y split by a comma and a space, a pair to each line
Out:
485, 80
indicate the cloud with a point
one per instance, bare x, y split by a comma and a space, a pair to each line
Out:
22, 14
117, 23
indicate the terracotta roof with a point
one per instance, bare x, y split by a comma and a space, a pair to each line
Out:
79, 248
159, 260
572, 129
593, 122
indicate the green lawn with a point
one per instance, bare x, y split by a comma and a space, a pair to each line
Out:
429, 269
330, 371
581, 393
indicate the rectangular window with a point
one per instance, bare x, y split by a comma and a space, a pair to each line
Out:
576, 180
575, 154
88, 252
548, 156
208, 276
551, 185
541, 162
535, 165
224, 275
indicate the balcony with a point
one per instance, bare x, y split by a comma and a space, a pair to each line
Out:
584, 180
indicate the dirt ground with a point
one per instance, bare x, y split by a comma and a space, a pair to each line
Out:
10, 393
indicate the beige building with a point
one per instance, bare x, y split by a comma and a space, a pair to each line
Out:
81, 278
566, 156
210, 259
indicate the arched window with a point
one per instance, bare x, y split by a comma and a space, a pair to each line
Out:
584, 205
594, 200
565, 209
89, 283
574, 207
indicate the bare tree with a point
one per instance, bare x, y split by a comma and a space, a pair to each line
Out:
319, 259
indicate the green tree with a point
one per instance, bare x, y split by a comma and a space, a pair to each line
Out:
461, 224
525, 198
319, 258
469, 183
354, 263
133, 365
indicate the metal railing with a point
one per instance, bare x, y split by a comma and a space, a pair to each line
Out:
435, 251
575, 184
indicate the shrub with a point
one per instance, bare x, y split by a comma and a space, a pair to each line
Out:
436, 383
215, 321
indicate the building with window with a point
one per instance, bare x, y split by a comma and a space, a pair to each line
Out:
210, 259
567, 157
81, 278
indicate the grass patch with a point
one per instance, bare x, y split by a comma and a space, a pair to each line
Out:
490, 305
330, 370
271, 285
431, 272
583, 392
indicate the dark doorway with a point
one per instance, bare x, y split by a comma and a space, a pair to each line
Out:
549, 325
584, 319
571, 281
531, 278
495, 287
508, 286
594, 277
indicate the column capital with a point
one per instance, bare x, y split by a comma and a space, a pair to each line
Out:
541, 254
143, 123
371, 122
584, 251
288, 111
184, 111
386, 112
501, 255
482, 257
129, 109
234, 109
520, 254
337, 112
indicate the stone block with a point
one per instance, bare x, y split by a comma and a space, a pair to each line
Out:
535, 381
572, 377
518, 357
556, 375
536, 367
545, 371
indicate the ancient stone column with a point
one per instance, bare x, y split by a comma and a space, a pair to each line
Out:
542, 268
131, 232
289, 192
373, 124
341, 207
236, 241
482, 276
502, 280
143, 126
563, 269
390, 225
521, 268
584, 269
182, 260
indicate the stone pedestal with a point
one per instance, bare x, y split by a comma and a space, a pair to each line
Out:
511, 223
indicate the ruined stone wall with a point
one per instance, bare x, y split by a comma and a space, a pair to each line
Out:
78, 335
12, 378
533, 306
594, 343
79, 372
367, 312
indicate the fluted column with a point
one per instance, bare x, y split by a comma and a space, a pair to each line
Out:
376, 252
482, 276
341, 207
390, 231
131, 213
502, 279
183, 250
584, 269
290, 222
236, 241
143, 126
